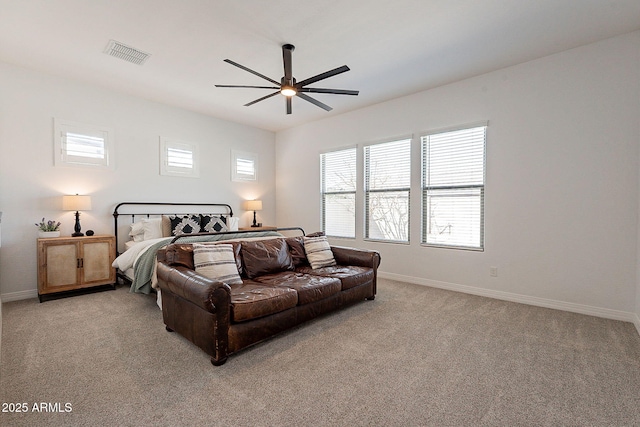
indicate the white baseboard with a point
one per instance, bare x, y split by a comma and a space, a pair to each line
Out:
523, 299
15, 296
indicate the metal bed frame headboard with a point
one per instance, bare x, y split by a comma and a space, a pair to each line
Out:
148, 214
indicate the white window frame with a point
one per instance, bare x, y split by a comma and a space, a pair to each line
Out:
170, 167
237, 172
369, 190
327, 194
66, 129
474, 188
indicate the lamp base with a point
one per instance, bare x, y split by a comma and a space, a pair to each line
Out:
77, 228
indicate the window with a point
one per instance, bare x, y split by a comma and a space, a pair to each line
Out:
244, 166
453, 169
178, 158
338, 192
387, 182
76, 144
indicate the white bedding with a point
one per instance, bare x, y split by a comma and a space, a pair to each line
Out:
128, 258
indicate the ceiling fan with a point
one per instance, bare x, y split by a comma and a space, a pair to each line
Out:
289, 87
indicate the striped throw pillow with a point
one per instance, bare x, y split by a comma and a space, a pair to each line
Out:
318, 252
216, 262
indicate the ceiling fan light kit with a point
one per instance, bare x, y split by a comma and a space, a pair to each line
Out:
288, 85
288, 91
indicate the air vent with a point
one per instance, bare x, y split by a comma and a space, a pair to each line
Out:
126, 53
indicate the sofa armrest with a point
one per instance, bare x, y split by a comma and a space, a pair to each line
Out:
203, 292
197, 308
357, 257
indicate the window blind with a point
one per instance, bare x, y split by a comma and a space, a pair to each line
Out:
338, 190
79, 145
387, 187
453, 171
179, 158
245, 167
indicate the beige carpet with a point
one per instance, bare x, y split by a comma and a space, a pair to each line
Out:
415, 356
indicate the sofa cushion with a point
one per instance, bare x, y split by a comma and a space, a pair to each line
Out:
318, 252
309, 287
251, 300
216, 262
265, 256
350, 276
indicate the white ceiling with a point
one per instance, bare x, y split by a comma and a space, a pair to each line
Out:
393, 48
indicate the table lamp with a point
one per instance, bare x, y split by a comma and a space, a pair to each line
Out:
254, 205
76, 203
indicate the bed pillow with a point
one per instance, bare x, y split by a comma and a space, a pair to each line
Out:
318, 252
166, 226
137, 231
188, 224
265, 256
232, 223
213, 223
152, 228
216, 262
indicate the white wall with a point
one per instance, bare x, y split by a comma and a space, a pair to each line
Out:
562, 178
30, 186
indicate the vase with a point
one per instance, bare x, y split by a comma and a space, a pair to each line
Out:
46, 234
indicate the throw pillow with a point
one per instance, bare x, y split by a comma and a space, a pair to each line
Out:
216, 262
188, 224
213, 223
318, 252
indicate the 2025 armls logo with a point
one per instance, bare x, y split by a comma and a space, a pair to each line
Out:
16, 407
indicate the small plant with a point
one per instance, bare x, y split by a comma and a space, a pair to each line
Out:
48, 226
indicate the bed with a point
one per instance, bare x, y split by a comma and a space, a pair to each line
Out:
142, 228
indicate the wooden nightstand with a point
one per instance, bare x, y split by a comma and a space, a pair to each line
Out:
261, 228
74, 263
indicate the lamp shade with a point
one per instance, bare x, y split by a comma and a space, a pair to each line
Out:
76, 203
253, 205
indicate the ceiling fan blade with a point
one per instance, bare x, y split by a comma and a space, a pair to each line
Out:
323, 76
288, 98
332, 91
314, 101
286, 59
262, 99
250, 87
249, 70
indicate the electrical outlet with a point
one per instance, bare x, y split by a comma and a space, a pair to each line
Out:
493, 271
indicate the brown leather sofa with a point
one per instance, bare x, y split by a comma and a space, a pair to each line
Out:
279, 290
